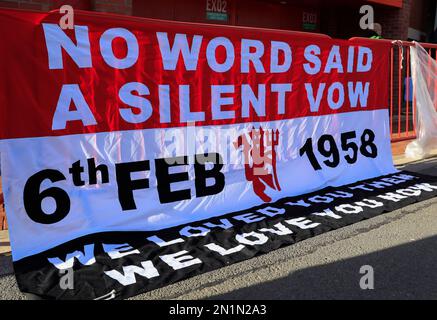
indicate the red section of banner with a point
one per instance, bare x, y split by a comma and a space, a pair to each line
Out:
31, 90
393, 3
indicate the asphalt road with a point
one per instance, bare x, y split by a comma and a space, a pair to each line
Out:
401, 247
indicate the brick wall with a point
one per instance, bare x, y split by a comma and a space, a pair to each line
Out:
394, 21
113, 6
42, 5
422, 16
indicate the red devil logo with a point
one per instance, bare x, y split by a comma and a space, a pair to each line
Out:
259, 154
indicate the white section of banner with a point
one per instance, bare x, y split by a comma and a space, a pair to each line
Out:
97, 208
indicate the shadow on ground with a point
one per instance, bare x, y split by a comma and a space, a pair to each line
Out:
428, 166
407, 271
6, 267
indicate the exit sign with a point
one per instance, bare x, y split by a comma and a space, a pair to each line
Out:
309, 21
217, 10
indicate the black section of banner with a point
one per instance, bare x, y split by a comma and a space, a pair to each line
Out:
191, 249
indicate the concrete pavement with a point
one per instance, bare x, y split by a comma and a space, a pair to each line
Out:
401, 246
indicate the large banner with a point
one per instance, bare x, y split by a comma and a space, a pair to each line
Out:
122, 128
